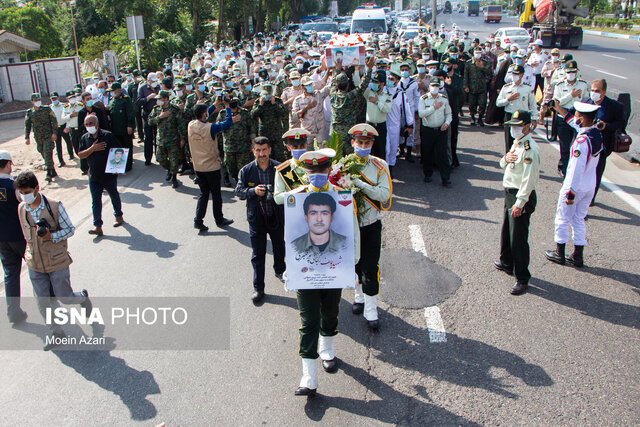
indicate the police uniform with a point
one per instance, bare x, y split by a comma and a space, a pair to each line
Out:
376, 187
519, 182
58, 108
289, 174
319, 307
526, 101
434, 140
122, 115
377, 113
577, 189
72, 122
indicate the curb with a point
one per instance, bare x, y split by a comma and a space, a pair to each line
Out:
13, 115
611, 35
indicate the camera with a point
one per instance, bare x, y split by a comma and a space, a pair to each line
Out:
43, 226
548, 103
599, 125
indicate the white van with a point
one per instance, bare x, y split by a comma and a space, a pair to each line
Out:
367, 19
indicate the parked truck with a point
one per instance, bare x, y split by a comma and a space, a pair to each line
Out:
447, 7
552, 21
473, 8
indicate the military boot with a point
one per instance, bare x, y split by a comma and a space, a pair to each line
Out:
556, 256
409, 157
480, 122
401, 152
174, 181
473, 120
168, 177
576, 258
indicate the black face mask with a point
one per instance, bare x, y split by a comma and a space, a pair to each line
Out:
233, 104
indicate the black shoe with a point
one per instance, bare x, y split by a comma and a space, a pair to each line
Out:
200, 226
330, 366
62, 164
427, 179
48, 178
168, 177
19, 318
85, 172
257, 296
576, 259
147, 162
53, 173
556, 256
480, 122
224, 222
503, 267
86, 304
51, 345
174, 182
518, 289
357, 308
410, 157
473, 123
446, 183
373, 325
303, 391
280, 277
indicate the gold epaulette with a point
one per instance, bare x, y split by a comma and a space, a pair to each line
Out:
377, 163
282, 166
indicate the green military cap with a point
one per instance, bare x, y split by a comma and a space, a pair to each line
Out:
244, 81
447, 61
477, 49
227, 77
519, 118
145, 73
137, 73
288, 67
216, 85
115, 86
453, 49
197, 81
517, 69
434, 81
163, 94
77, 91
69, 93
180, 84
35, 96
266, 87
54, 94
571, 66
566, 57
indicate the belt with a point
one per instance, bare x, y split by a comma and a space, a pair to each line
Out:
512, 190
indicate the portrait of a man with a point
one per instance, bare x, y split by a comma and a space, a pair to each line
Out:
319, 210
117, 157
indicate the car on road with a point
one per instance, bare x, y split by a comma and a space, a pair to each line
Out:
461, 10
517, 35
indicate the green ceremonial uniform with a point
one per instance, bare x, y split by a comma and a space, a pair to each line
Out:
270, 116
122, 115
289, 176
171, 131
344, 109
475, 79
237, 141
245, 97
44, 124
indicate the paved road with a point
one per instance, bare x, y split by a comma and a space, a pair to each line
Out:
563, 354
616, 60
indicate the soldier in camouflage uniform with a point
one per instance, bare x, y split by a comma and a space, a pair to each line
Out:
237, 139
199, 96
344, 104
476, 73
246, 96
43, 121
180, 101
270, 111
284, 83
171, 135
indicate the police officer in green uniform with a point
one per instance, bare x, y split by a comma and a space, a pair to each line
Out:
180, 101
171, 137
515, 96
521, 173
43, 121
375, 185
319, 307
122, 114
476, 73
237, 139
270, 111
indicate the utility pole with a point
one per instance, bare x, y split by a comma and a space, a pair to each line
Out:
73, 25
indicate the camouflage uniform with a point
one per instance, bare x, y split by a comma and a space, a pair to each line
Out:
344, 109
270, 116
475, 79
171, 131
237, 141
44, 124
187, 116
243, 98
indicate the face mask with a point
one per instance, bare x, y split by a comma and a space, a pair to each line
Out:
103, 91
432, 71
178, 93
595, 97
202, 88
445, 68
129, 78
229, 83
426, 57
90, 103
392, 57
453, 56
37, 103
563, 65
154, 84
434, 89
309, 88
208, 70
29, 198
300, 67
571, 76
374, 69
186, 66
318, 180
236, 72
322, 74
247, 88
390, 83
189, 87
267, 96
555, 58
218, 93
243, 56
160, 103
92, 129
362, 152
297, 153
441, 84
517, 79
295, 83
405, 74
56, 101
422, 70
375, 87
477, 55
516, 132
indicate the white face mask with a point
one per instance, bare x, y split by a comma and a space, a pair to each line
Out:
154, 84
189, 87
37, 103
92, 129
571, 76
477, 55
434, 90
178, 93
160, 103
555, 59
29, 198
595, 96
516, 132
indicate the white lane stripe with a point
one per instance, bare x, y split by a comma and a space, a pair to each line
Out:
624, 196
435, 326
417, 242
615, 57
611, 74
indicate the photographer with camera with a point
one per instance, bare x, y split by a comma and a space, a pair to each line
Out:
255, 185
46, 228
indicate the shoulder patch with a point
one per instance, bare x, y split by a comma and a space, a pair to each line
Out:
576, 153
527, 145
282, 166
527, 160
377, 163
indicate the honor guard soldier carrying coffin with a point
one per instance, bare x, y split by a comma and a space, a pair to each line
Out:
290, 174
516, 96
43, 121
319, 307
376, 187
521, 173
579, 183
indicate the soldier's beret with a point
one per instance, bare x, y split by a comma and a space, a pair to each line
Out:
163, 94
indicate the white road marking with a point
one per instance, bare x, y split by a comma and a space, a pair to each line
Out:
624, 196
615, 57
435, 326
417, 242
605, 72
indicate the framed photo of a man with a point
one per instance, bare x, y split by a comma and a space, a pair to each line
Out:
117, 160
319, 240
350, 55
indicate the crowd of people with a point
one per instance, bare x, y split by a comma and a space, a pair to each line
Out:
248, 114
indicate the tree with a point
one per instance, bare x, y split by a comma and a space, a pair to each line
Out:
33, 24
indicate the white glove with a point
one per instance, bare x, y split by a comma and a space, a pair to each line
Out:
358, 183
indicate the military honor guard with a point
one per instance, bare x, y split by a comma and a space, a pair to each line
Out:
515, 96
435, 112
521, 173
375, 184
319, 307
579, 183
290, 174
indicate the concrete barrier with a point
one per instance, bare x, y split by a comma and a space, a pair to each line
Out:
612, 35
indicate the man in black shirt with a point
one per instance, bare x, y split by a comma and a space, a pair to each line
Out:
90, 109
95, 146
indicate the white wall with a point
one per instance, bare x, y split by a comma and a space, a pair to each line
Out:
19, 81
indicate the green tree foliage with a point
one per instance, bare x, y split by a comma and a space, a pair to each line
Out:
34, 24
